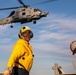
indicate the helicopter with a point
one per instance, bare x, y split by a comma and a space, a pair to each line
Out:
23, 15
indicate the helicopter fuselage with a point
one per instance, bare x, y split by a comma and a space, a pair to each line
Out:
23, 15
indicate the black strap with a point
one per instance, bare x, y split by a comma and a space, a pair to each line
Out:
20, 64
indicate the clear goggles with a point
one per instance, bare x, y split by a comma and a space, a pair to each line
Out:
28, 33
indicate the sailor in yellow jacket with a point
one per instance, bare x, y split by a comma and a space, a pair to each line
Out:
21, 59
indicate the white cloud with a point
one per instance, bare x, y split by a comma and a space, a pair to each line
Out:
6, 48
52, 38
60, 28
62, 22
5, 40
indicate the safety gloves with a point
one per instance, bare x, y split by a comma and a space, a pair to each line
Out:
8, 71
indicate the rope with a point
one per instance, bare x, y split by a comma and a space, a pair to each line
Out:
73, 62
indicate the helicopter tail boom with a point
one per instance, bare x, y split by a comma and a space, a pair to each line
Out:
6, 21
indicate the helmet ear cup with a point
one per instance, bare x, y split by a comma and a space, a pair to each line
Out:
20, 36
31, 34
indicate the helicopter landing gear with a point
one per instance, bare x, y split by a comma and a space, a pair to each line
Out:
34, 22
11, 26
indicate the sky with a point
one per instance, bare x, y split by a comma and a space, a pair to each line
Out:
52, 35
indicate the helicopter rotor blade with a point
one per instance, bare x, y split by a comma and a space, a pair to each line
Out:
10, 8
20, 1
44, 2
26, 5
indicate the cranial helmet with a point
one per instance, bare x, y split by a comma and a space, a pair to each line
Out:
25, 29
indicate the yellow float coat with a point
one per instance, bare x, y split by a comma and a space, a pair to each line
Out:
22, 55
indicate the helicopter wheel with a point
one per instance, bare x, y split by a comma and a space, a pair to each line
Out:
34, 22
11, 26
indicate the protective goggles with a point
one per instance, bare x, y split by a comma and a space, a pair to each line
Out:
28, 33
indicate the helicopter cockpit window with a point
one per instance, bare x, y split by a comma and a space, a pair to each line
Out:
35, 10
11, 13
39, 10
